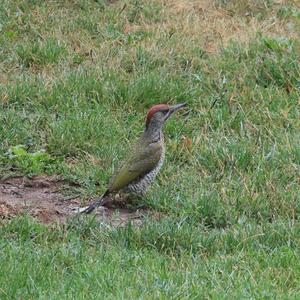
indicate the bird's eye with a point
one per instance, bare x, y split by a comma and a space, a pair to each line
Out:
165, 111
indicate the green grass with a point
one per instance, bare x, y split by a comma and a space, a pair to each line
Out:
165, 261
75, 86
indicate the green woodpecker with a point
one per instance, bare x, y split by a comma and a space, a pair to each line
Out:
137, 173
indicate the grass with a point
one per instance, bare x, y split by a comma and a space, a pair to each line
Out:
76, 81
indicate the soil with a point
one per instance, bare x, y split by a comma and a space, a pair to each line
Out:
43, 199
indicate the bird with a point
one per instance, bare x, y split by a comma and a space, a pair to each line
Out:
144, 162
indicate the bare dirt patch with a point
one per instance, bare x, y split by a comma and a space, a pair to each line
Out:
43, 199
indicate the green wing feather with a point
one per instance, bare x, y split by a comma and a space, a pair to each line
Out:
140, 162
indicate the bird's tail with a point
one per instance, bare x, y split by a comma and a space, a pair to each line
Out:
99, 202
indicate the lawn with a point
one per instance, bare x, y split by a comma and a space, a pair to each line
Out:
76, 80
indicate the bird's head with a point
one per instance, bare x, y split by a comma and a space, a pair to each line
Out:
158, 114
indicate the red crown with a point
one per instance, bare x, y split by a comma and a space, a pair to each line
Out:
154, 109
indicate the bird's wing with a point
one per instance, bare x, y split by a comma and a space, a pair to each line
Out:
139, 163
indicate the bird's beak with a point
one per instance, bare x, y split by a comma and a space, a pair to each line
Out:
174, 108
